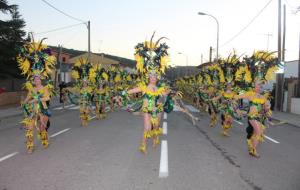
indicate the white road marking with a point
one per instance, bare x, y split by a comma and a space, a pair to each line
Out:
74, 108
192, 108
163, 167
68, 106
8, 156
238, 122
269, 138
60, 132
165, 128
165, 115
59, 108
71, 105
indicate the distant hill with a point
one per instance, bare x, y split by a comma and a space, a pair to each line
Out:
73, 53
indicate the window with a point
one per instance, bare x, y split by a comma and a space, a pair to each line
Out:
64, 59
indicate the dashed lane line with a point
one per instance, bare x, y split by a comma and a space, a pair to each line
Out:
8, 156
269, 138
164, 167
165, 128
60, 132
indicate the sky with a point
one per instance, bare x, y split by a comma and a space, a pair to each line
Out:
118, 25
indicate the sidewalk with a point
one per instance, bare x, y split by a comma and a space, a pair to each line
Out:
15, 110
290, 118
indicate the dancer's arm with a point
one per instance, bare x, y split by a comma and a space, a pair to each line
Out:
184, 109
217, 97
241, 96
134, 90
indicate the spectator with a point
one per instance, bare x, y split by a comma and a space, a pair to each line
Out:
61, 87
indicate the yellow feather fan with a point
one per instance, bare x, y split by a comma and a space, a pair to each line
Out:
105, 76
92, 75
118, 78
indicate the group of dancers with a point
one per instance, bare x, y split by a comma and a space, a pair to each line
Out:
218, 87
99, 88
226, 85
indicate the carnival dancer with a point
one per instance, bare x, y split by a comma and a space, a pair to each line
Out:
111, 84
208, 93
35, 61
259, 68
229, 106
151, 59
102, 92
83, 72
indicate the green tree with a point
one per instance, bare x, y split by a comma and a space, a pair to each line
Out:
11, 37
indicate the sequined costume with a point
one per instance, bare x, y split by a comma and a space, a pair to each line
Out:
84, 74
36, 62
151, 58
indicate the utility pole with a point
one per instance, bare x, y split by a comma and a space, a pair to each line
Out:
283, 58
201, 58
298, 90
279, 30
210, 54
278, 93
60, 60
284, 31
89, 40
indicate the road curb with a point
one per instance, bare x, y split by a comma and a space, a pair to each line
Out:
292, 124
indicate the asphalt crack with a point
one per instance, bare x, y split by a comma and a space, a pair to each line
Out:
228, 157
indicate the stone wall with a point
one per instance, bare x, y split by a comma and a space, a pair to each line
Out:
8, 98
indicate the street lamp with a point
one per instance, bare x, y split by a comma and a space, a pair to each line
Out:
201, 13
186, 61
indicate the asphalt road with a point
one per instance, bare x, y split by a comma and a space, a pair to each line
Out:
105, 155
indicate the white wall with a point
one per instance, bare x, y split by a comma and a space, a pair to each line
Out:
65, 76
295, 105
291, 69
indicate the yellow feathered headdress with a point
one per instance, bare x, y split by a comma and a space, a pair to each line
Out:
35, 59
83, 70
151, 57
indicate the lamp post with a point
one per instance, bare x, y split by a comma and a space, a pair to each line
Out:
186, 61
201, 13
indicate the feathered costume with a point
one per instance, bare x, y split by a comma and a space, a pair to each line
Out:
262, 66
214, 79
84, 74
152, 58
35, 60
101, 92
229, 106
236, 79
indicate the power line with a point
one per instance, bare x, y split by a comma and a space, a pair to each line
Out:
74, 18
57, 29
251, 21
